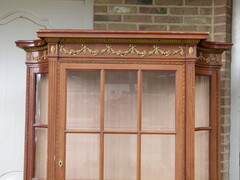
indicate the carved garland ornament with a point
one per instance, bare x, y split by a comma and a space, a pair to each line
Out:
37, 58
217, 58
133, 50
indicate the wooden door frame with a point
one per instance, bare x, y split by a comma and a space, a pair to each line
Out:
214, 121
179, 135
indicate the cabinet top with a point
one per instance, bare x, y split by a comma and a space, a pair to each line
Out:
70, 33
105, 45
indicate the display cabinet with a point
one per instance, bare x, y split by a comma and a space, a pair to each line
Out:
122, 105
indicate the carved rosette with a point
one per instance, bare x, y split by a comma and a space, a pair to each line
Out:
53, 49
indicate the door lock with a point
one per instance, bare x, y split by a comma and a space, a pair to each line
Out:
60, 163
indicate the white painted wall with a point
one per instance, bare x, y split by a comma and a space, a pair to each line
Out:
19, 19
235, 94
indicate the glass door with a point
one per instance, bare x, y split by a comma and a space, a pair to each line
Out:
83, 125
40, 127
121, 123
202, 127
207, 127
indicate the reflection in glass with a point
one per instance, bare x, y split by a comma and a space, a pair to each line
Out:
158, 100
40, 153
120, 158
158, 157
82, 156
121, 100
201, 155
202, 101
41, 111
83, 100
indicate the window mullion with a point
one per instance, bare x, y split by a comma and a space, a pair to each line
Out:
139, 124
102, 92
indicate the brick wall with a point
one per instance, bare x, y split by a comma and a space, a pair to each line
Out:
195, 15
222, 32
213, 16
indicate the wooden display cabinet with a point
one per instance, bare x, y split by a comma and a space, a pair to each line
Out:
122, 105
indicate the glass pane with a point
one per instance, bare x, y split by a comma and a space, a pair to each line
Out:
40, 153
121, 100
158, 100
120, 157
82, 156
41, 111
158, 157
202, 101
201, 155
83, 99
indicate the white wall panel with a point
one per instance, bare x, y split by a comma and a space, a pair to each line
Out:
19, 19
235, 94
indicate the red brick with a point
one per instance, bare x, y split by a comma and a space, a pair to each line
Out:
222, 2
225, 92
220, 19
225, 129
229, 35
225, 85
220, 28
224, 156
205, 28
114, 18
226, 101
169, 2
182, 28
225, 137
229, 11
227, 54
152, 10
122, 9
184, 11
108, 1
226, 65
146, 2
225, 120
168, 19
220, 10
198, 20
122, 27
100, 9
224, 148
206, 11
220, 38
137, 18
225, 166
100, 26
153, 27
225, 74
225, 174
199, 2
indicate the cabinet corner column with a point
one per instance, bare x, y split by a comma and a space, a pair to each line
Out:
52, 117
190, 119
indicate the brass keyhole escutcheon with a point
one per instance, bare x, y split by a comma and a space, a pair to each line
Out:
60, 164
